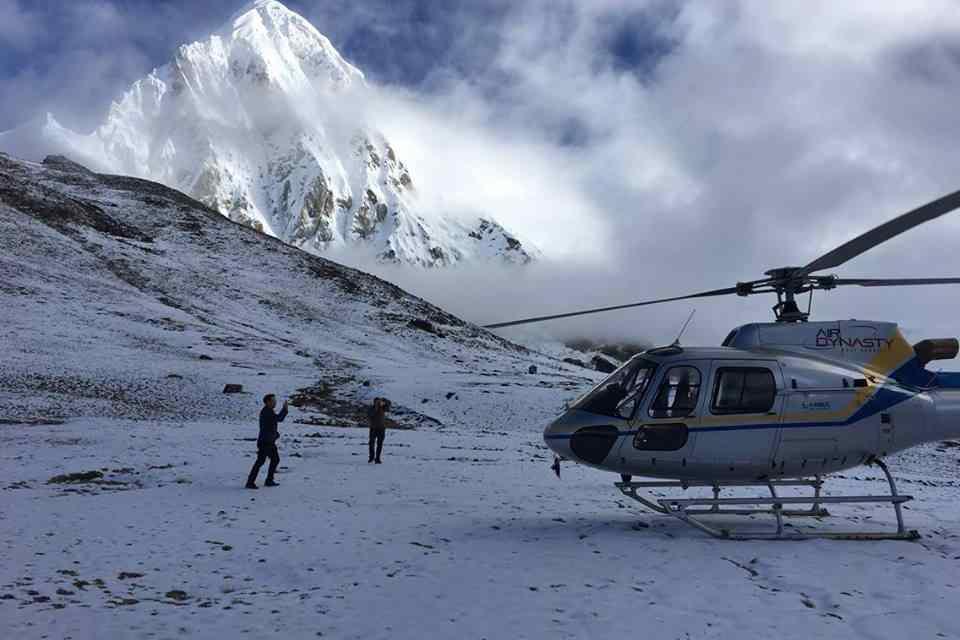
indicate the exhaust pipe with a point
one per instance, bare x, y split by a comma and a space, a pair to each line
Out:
936, 349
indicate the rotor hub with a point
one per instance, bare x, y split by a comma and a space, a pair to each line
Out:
783, 273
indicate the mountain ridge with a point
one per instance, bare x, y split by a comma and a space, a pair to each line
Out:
111, 283
263, 121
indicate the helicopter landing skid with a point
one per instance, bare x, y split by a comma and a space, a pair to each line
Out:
691, 510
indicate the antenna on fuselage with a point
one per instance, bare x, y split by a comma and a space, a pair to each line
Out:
684, 327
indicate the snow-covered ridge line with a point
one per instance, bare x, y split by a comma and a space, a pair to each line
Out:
124, 297
263, 121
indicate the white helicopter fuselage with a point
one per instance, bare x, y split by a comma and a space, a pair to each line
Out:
779, 400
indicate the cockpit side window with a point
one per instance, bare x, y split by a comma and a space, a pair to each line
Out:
618, 395
628, 406
678, 393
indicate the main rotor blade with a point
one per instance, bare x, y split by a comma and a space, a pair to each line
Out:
893, 282
704, 294
884, 232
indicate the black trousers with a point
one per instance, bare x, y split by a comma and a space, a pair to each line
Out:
376, 442
264, 452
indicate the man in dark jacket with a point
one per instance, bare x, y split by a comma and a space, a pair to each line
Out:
377, 414
267, 441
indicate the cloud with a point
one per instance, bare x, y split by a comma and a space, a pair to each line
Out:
651, 148
755, 138
464, 166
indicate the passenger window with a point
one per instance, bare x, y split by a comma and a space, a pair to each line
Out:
678, 394
744, 390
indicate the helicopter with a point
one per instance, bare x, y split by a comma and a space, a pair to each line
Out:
779, 405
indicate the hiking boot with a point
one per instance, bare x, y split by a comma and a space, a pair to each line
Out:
370, 461
252, 485
378, 461
270, 483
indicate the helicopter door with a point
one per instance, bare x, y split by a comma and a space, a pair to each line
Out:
663, 436
741, 422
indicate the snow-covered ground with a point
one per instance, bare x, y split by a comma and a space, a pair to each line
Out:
461, 533
125, 308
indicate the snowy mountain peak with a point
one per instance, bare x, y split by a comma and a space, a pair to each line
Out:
256, 5
283, 41
262, 121
268, 14
261, 5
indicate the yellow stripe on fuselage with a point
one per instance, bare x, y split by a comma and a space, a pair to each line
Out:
878, 371
891, 359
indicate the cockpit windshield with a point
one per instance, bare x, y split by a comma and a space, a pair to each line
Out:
619, 394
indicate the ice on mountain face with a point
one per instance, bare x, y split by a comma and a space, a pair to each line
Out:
258, 121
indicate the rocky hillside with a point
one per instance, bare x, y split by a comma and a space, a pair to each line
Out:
263, 121
121, 297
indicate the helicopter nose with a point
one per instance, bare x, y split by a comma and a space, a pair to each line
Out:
574, 438
557, 437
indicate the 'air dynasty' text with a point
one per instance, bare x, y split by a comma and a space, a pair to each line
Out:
833, 339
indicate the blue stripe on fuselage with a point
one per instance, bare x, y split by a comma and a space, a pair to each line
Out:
913, 375
948, 380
